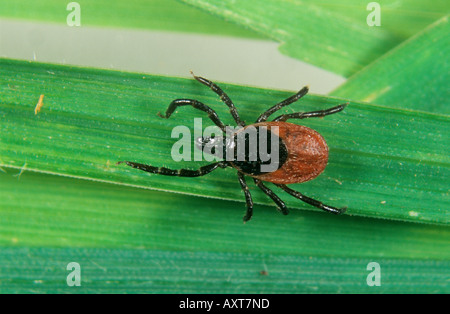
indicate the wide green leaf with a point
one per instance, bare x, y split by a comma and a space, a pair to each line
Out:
383, 162
44, 270
331, 35
41, 210
414, 75
136, 240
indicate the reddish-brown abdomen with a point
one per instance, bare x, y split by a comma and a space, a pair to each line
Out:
307, 153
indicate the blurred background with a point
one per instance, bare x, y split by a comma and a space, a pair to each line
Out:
161, 46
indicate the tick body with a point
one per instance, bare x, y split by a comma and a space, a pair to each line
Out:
302, 152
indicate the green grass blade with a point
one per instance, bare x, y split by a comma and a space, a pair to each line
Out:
383, 162
135, 240
40, 210
334, 36
414, 75
43, 270
168, 15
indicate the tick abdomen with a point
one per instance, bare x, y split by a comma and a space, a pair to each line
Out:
307, 153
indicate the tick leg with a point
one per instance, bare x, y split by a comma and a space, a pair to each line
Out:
284, 103
311, 114
223, 96
197, 105
248, 197
312, 202
178, 173
281, 205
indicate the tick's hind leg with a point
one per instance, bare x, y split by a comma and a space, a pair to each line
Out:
179, 173
223, 96
311, 114
248, 197
281, 205
197, 105
312, 202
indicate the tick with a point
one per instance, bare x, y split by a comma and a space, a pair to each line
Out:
303, 152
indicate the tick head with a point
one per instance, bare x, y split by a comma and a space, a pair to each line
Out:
215, 145
210, 144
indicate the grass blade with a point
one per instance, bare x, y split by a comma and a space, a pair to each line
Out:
334, 36
146, 271
168, 15
135, 240
40, 210
384, 162
414, 75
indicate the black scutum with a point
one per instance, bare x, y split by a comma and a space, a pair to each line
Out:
254, 167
